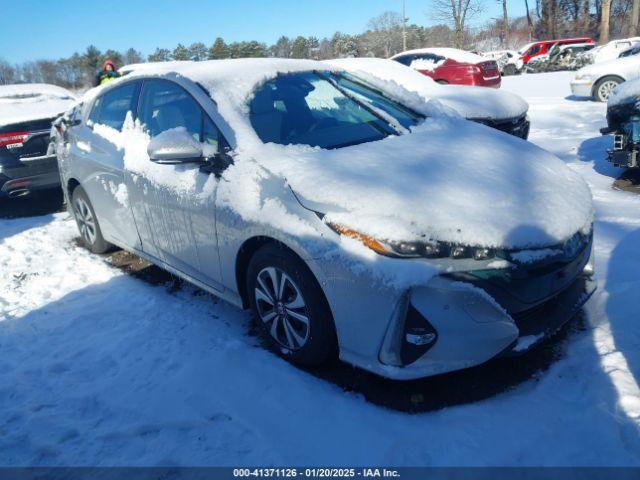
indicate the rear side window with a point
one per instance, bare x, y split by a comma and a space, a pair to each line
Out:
405, 60
111, 108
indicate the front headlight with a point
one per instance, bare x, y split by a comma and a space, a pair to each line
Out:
426, 249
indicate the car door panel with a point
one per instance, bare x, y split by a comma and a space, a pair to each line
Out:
177, 220
104, 179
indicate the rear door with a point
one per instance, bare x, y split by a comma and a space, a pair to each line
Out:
100, 163
175, 210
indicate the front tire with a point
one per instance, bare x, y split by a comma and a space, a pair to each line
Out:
289, 304
87, 222
604, 87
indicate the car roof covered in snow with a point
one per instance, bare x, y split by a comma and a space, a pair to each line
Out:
452, 53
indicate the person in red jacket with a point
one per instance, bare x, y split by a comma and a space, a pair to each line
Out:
107, 73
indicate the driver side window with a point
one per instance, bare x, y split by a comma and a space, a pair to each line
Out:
164, 105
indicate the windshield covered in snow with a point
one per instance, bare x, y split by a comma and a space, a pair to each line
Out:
374, 97
307, 108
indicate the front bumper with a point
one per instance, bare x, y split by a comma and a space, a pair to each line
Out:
518, 127
26, 176
582, 88
459, 321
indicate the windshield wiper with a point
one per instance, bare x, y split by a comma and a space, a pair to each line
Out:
364, 105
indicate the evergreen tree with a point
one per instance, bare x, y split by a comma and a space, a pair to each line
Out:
198, 51
282, 48
180, 52
91, 58
218, 50
160, 55
300, 48
132, 56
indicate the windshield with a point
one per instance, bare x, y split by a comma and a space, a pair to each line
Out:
405, 116
306, 108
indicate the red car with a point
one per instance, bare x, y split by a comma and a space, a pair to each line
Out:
450, 65
542, 47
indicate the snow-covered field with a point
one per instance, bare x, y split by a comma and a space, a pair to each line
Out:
100, 368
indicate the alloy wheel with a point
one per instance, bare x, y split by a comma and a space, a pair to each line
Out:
606, 88
86, 222
280, 303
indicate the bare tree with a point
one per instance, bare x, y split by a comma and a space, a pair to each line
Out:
385, 34
457, 13
529, 21
635, 18
605, 14
505, 24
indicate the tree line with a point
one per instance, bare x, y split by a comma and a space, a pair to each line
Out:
386, 34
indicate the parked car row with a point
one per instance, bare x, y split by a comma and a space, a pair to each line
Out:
356, 213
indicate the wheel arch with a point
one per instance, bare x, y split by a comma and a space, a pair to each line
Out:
245, 253
602, 78
72, 184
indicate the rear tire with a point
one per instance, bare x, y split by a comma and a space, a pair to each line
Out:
604, 87
289, 304
87, 222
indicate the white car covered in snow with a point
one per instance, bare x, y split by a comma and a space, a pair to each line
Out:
600, 79
613, 49
355, 222
509, 61
498, 109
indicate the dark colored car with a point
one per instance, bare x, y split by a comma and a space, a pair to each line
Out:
623, 121
452, 66
27, 160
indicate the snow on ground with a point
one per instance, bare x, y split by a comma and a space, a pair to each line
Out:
100, 368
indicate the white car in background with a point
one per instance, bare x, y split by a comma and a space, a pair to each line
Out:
498, 109
600, 79
613, 49
509, 61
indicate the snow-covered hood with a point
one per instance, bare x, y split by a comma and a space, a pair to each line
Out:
627, 67
451, 180
21, 103
626, 92
469, 102
481, 102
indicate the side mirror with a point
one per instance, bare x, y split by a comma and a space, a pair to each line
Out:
174, 147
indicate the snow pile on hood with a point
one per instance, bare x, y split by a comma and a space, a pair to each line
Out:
624, 93
470, 102
32, 101
448, 180
461, 56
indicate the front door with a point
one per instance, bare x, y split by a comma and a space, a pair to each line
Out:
174, 205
